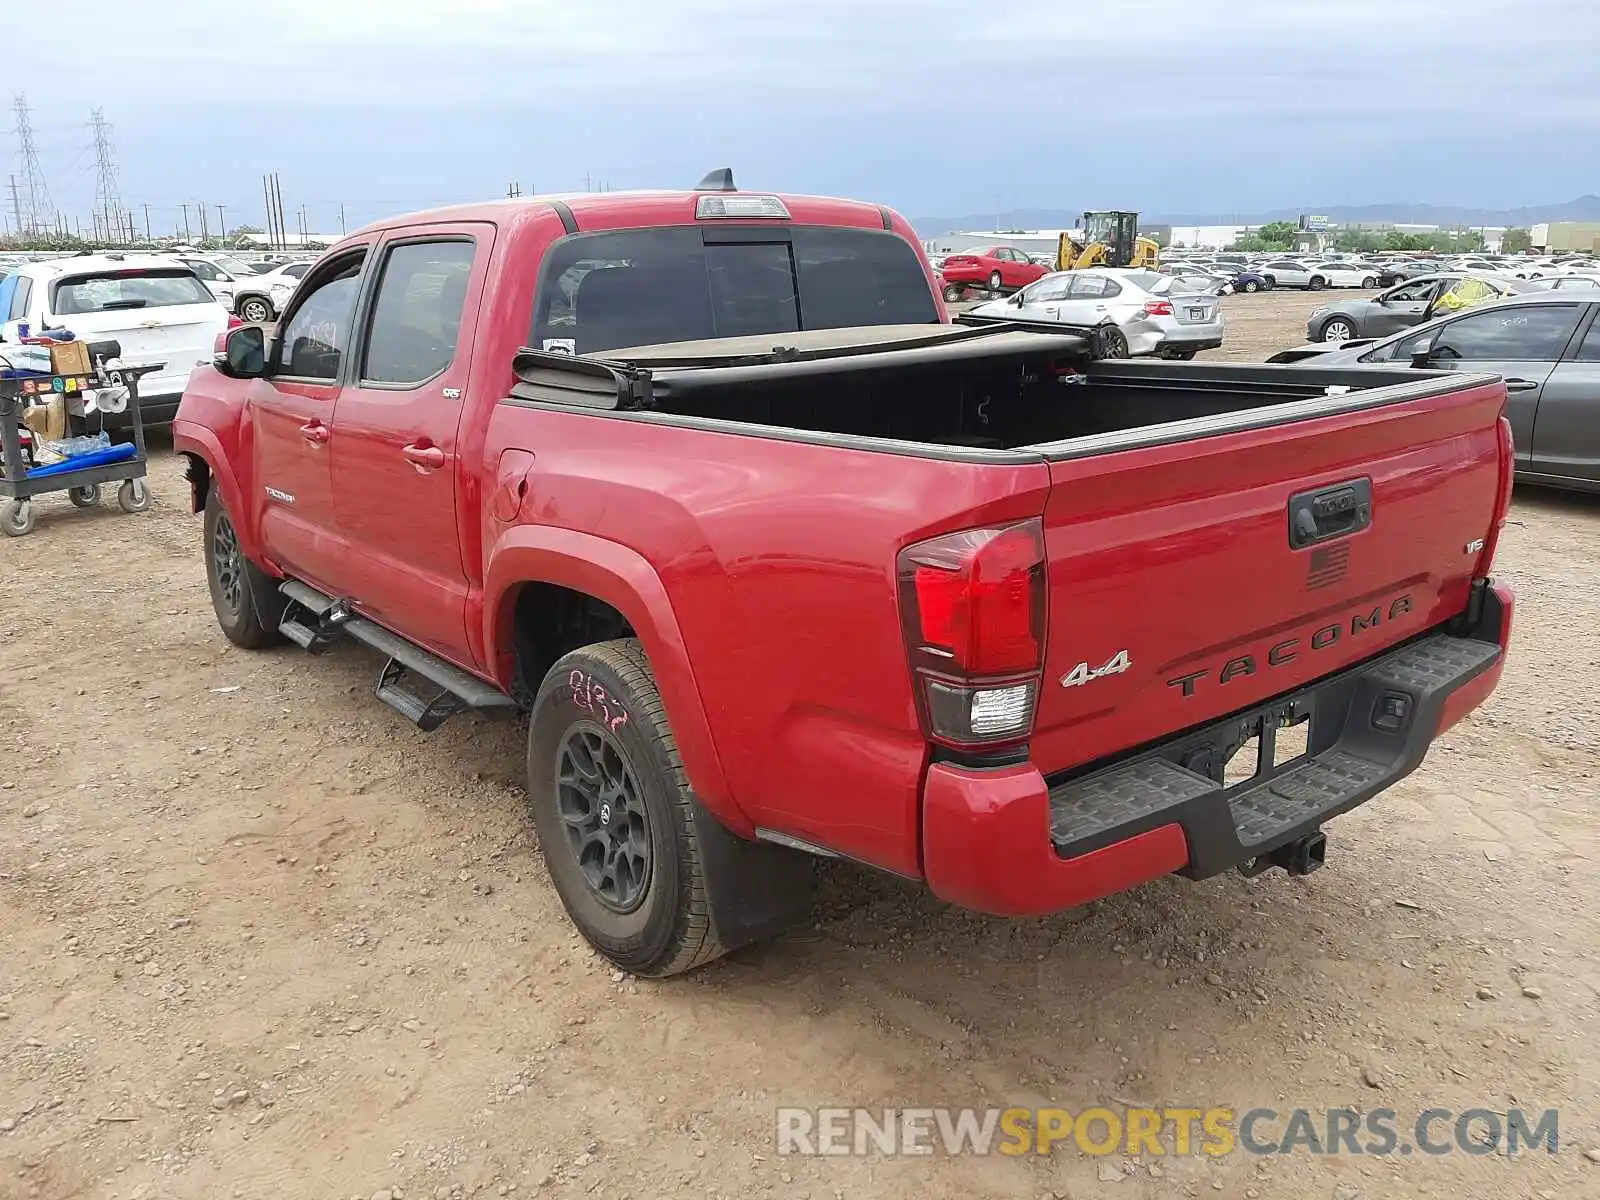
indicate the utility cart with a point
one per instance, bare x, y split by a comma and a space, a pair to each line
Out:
21, 480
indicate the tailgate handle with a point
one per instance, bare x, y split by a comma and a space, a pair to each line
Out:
1331, 512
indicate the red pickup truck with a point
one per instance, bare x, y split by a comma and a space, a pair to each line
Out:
781, 563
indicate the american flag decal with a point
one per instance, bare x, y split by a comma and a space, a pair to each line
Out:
1328, 565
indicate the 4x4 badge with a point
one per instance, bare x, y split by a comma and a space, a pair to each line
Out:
1083, 673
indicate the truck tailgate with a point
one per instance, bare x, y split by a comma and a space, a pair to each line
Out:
1176, 595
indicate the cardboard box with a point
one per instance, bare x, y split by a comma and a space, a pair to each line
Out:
70, 358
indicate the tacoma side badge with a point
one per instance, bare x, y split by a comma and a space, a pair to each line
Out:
1083, 673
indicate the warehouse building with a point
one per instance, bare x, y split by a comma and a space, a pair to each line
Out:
1566, 235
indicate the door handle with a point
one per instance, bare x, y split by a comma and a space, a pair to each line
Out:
1520, 385
315, 432
424, 458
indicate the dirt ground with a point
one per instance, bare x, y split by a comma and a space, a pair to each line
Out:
259, 938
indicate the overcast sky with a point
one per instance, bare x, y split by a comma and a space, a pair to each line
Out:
937, 107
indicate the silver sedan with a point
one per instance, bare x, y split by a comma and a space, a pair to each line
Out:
1153, 314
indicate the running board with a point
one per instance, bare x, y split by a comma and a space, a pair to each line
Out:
416, 683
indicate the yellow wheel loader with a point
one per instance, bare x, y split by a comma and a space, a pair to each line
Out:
1110, 239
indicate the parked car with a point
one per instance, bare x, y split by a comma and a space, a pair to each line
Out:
1545, 345
1285, 272
262, 297
1567, 283
1398, 272
1152, 313
1406, 305
1344, 274
998, 268
1248, 279
221, 276
935, 626
155, 308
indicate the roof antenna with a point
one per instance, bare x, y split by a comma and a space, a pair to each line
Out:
720, 180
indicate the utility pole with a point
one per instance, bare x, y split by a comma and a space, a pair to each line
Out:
106, 199
36, 197
147, 236
341, 218
222, 226
185, 208
514, 190
200, 212
16, 207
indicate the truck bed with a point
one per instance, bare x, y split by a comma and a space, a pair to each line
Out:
996, 389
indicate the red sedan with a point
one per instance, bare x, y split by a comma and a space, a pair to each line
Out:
998, 268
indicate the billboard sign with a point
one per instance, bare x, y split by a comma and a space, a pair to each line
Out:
1315, 224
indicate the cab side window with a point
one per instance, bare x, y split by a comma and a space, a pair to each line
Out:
317, 333
416, 318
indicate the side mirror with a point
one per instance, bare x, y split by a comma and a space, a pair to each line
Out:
244, 353
1015, 298
1422, 359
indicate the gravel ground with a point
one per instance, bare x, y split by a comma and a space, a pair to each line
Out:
262, 939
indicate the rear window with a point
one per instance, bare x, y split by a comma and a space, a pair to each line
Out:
642, 287
112, 290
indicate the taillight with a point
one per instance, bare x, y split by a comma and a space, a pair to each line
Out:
973, 608
219, 344
234, 322
1158, 308
1502, 500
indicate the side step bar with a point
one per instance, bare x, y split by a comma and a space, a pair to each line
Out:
415, 682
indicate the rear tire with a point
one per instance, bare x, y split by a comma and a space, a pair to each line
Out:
1316, 284
995, 282
245, 598
1115, 342
1251, 286
616, 818
1369, 283
255, 310
952, 293
1271, 282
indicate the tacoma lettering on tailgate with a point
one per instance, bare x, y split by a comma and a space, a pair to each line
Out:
1281, 654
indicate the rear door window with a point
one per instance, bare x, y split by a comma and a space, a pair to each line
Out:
644, 287
109, 291
416, 317
1530, 333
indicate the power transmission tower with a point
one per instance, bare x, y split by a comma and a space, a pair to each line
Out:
35, 196
106, 200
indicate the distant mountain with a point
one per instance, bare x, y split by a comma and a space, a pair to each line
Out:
1584, 208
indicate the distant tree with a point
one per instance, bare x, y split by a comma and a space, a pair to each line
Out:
238, 229
1395, 240
1514, 241
1278, 234
1252, 243
1357, 241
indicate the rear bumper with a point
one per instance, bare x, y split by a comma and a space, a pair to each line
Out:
1004, 841
966, 276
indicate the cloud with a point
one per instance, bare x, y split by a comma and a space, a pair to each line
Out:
937, 105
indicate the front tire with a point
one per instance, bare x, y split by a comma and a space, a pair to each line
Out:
952, 293
1251, 286
995, 281
1337, 329
1369, 283
1272, 282
616, 819
245, 598
1316, 284
255, 310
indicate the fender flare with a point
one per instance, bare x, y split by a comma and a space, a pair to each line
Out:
622, 578
197, 440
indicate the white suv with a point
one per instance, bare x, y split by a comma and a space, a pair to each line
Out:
155, 308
